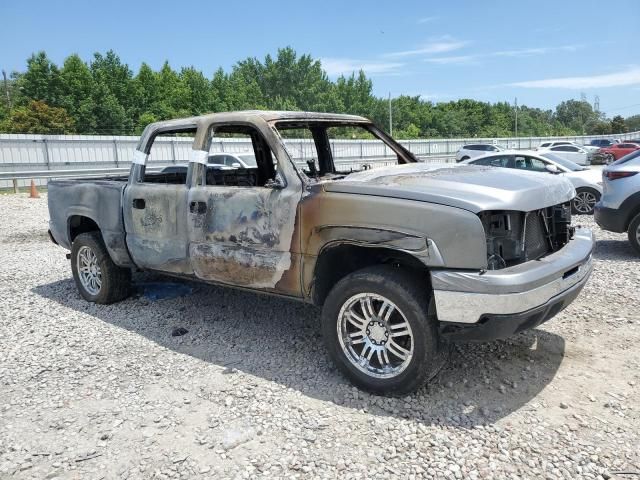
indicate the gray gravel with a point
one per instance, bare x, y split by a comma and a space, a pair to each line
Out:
109, 392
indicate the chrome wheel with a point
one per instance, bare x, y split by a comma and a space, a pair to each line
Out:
584, 202
375, 336
638, 234
89, 270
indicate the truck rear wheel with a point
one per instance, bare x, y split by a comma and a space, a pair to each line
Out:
98, 279
380, 332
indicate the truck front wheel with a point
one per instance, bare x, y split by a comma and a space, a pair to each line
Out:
98, 279
380, 332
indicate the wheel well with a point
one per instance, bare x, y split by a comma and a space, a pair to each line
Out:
632, 215
335, 263
590, 189
79, 224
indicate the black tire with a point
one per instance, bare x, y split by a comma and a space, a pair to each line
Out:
116, 281
584, 191
464, 158
634, 233
410, 294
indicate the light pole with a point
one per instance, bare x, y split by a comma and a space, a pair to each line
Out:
516, 104
390, 117
6, 88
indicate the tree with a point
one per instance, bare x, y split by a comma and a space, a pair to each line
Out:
103, 96
111, 117
114, 84
41, 81
618, 125
38, 117
633, 123
76, 90
575, 115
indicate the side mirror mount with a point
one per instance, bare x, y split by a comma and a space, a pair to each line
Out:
552, 168
276, 183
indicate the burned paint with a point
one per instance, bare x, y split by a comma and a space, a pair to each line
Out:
151, 220
242, 266
245, 236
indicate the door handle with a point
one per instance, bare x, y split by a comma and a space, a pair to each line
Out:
198, 207
139, 203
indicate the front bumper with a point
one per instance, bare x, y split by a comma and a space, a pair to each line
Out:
525, 294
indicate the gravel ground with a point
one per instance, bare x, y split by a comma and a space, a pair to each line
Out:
92, 392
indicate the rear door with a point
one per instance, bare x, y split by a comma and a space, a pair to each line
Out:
155, 213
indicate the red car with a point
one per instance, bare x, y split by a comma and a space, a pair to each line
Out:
619, 150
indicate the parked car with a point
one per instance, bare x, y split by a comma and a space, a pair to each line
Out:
587, 182
181, 168
570, 152
619, 208
475, 150
554, 143
617, 151
235, 160
402, 258
588, 148
603, 142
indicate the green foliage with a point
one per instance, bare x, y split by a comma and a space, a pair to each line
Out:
38, 117
633, 123
104, 96
618, 125
576, 115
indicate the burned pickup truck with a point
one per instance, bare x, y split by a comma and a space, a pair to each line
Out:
403, 259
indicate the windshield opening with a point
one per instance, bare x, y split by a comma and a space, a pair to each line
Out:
325, 150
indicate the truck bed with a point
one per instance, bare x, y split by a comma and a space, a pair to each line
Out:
75, 204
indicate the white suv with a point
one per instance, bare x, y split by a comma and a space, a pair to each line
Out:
475, 150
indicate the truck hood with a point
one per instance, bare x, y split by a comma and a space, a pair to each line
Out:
471, 187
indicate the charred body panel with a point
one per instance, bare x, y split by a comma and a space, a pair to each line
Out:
155, 218
75, 204
438, 235
243, 236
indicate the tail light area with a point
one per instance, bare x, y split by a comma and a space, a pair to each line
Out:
617, 175
516, 237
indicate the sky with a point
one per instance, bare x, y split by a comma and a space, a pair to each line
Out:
540, 52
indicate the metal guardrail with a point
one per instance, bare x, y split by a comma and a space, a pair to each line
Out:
105, 155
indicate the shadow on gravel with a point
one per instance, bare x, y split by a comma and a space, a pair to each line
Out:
615, 250
280, 340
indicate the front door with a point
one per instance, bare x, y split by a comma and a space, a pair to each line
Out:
241, 221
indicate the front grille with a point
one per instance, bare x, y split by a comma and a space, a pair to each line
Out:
536, 242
